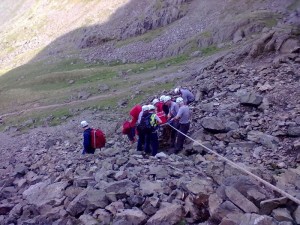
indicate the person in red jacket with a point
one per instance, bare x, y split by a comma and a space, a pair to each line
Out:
129, 126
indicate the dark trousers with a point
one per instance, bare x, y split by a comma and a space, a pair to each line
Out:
151, 140
174, 132
131, 134
141, 141
184, 128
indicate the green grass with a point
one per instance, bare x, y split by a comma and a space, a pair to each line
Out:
210, 50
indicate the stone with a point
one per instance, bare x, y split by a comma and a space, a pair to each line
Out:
223, 210
293, 131
119, 187
199, 148
135, 200
149, 188
214, 201
241, 201
266, 140
88, 220
250, 98
251, 219
5, 208
103, 216
213, 124
121, 175
45, 192
20, 170
200, 186
289, 46
115, 207
282, 214
296, 215
170, 214
233, 87
134, 216
255, 196
267, 206
150, 206
161, 155
198, 96
296, 145
90, 199
160, 172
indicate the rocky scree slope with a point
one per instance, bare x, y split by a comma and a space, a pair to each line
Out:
247, 109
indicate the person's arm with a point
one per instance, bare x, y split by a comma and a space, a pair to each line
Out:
158, 119
178, 116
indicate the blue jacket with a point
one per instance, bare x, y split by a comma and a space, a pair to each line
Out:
87, 142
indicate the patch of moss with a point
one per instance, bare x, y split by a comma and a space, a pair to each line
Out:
210, 50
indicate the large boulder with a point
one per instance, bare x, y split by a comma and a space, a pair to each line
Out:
133, 216
45, 193
266, 140
213, 124
89, 199
250, 98
241, 201
169, 215
250, 219
282, 214
294, 131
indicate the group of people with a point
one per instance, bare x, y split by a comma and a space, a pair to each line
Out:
165, 116
162, 115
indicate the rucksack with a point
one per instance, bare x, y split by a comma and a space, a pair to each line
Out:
97, 138
126, 127
145, 124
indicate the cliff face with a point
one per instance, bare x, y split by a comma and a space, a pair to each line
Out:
128, 30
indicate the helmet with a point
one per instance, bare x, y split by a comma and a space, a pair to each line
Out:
176, 91
179, 100
162, 98
84, 124
155, 101
167, 98
151, 107
145, 108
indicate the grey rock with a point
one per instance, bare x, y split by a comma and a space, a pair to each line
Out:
267, 206
223, 210
115, 207
148, 187
202, 186
255, 196
20, 170
103, 216
150, 206
250, 98
234, 87
294, 131
250, 219
5, 208
119, 187
296, 215
282, 214
133, 216
168, 215
296, 145
213, 124
199, 148
241, 201
266, 140
160, 172
88, 199
214, 201
45, 193
88, 220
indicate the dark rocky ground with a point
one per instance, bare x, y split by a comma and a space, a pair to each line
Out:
247, 108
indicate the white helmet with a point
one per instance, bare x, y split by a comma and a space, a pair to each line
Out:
162, 98
155, 101
176, 91
167, 98
145, 108
151, 107
84, 124
179, 100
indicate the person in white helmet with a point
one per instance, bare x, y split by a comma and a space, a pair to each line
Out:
183, 116
87, 146
143, 116
173, 110
186, 95
165, 108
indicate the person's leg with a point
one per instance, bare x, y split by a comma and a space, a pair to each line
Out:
184, 128
131, 134
175, 124
141, 141
148, 140
154, 143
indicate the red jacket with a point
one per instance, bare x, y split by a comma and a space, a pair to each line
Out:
159, 107
134, 113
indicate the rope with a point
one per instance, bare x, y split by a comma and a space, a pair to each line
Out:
282, 192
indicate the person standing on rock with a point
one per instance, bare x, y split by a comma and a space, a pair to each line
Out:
134, 113
173, 110
183, 116
141, 129
186, 95
87, 145
152, 133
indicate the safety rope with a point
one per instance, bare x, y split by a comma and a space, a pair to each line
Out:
282, 192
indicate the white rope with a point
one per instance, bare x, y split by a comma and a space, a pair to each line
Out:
282, 192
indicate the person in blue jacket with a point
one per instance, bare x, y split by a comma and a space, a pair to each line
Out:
87, 147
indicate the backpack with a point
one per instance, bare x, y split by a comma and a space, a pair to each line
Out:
145, 124
97, 138
126, 127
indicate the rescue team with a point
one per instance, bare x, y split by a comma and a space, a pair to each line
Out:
147, 122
